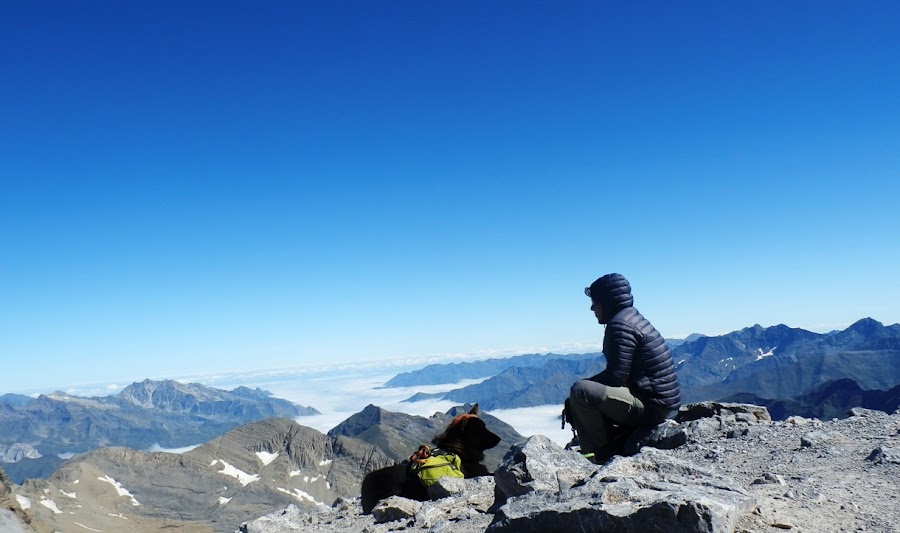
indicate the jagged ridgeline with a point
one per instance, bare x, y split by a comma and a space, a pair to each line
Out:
166, 413
247, 472
775, 363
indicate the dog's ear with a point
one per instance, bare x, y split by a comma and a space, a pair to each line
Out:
474, 410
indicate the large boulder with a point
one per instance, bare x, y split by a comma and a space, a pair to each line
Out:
651, 491
539, 464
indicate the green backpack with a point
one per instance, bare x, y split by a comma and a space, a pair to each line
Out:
431, 467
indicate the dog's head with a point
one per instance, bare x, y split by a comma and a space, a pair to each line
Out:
467, 436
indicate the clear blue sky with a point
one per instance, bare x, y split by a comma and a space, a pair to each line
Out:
205, 186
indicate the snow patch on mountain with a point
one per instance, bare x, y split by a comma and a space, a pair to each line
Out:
265, 457
120, 489
243, 477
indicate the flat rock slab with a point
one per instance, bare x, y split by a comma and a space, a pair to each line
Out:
651, 491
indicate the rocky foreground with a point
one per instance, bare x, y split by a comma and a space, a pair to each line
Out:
721, 467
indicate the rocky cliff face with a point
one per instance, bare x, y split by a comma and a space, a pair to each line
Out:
727, 468
13, 519
17, 452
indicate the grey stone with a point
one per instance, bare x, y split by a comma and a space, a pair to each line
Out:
814, 438
696, 411
666, 436
289, 519
447, 486
769, 479
747, 418
883, 454
477, 493
698, 430
648, 492
395, 508
796, 421
539, 464
428, 516
742, 431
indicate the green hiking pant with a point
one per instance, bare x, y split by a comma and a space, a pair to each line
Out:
598, 409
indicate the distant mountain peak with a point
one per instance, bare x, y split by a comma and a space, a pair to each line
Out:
165, 413
866, 325
247, 391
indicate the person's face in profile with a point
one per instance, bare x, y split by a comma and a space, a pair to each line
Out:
597, 309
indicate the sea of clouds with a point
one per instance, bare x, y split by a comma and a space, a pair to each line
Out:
343, 389
341, 392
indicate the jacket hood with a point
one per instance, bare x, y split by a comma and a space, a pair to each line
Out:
613, 292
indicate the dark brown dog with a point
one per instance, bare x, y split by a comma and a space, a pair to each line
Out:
466, 436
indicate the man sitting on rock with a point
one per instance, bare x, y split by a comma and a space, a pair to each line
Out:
638, 388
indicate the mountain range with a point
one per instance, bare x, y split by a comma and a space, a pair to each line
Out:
524, 386
832, 399
455, 372
778, 362
248, 471
166, 414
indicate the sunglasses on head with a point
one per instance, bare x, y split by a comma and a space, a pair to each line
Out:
587, 292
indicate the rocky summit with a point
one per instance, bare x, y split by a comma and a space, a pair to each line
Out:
718, 467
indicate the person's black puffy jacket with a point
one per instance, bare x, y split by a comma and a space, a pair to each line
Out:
636, 354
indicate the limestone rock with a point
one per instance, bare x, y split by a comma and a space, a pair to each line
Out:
650, 491
814, 438
289, 519
666, 436
539, 464
883, 454
477, 493
395, 508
